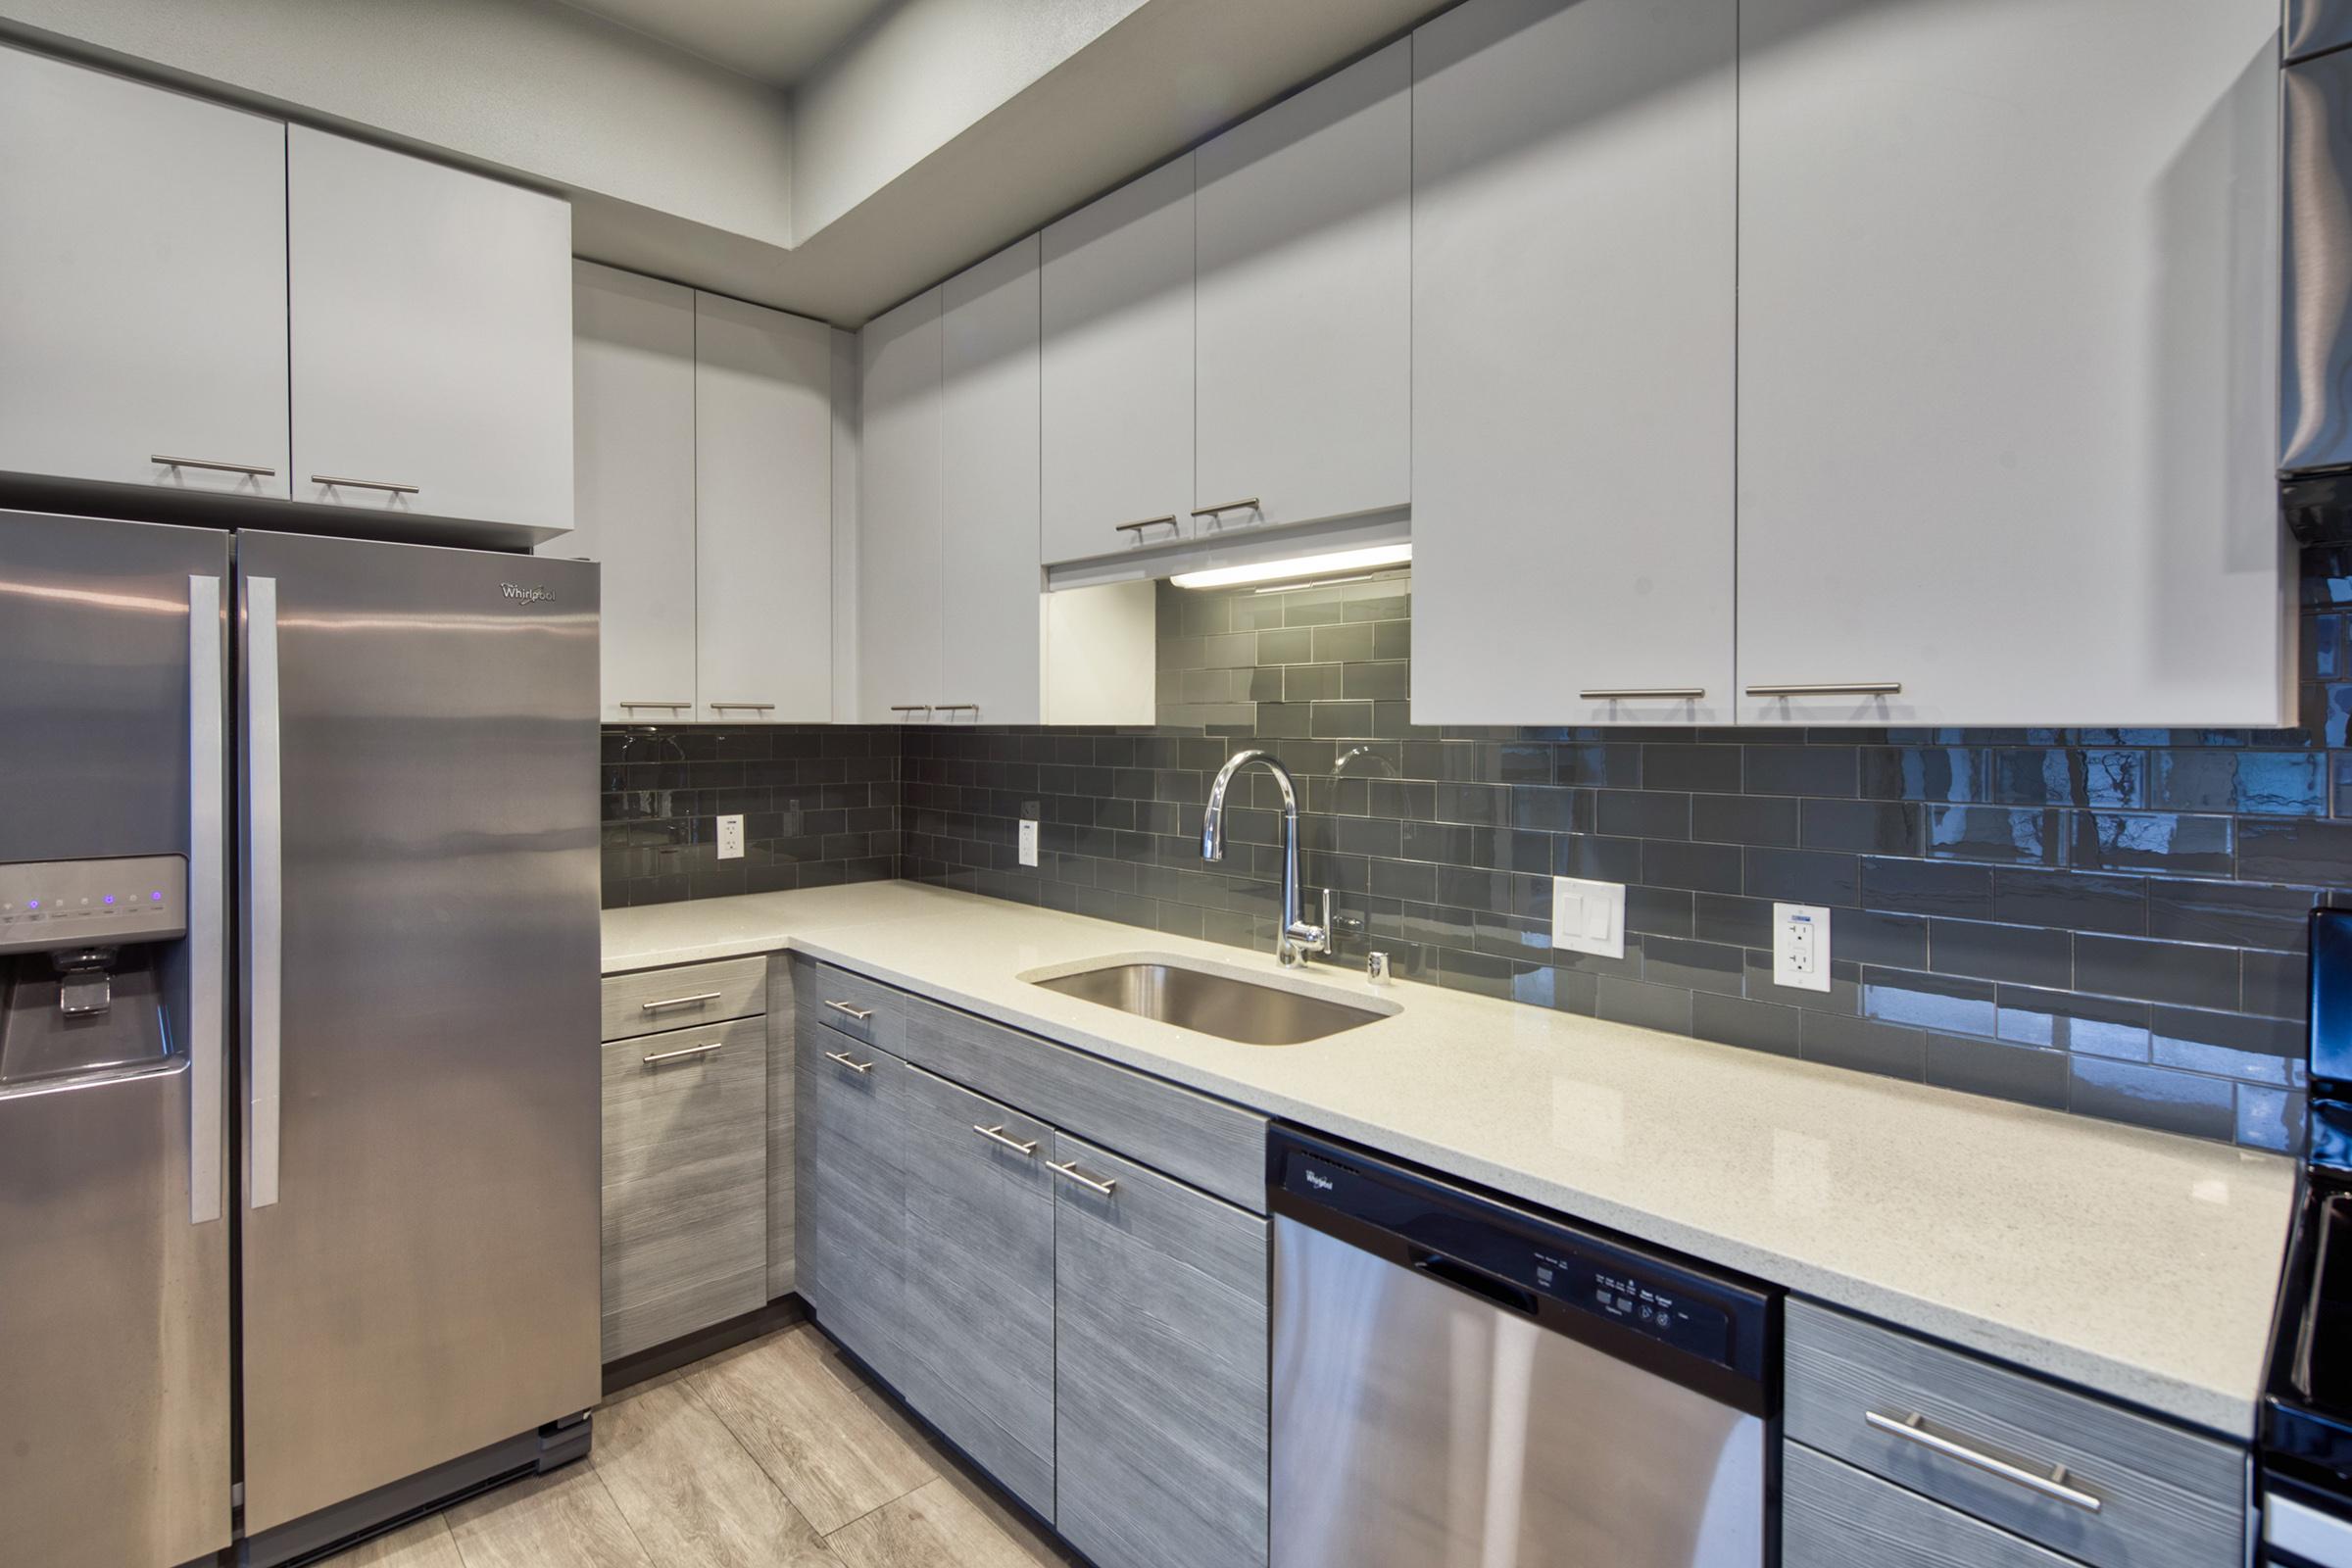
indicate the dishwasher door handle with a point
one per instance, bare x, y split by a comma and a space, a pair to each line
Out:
1477, 1282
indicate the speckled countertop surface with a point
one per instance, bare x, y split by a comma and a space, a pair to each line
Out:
2138, 1264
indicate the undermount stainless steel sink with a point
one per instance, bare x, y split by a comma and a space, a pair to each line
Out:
1230, 1008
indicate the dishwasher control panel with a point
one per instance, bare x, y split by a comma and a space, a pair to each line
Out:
1642, 1302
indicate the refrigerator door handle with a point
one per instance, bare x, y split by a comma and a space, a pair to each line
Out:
264, 885
208, 1077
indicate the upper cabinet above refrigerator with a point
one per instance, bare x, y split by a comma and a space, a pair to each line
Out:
142, 284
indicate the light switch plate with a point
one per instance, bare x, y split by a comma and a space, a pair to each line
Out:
730, 838
1588, 916
1800, 946
1028, 843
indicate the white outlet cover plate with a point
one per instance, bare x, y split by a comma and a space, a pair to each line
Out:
730, 838
1588, 916
1028, 843
1800, 946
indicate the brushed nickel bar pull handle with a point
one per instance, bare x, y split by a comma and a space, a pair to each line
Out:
853, 1066
763, 708
1142, 523
657, 705
659, 1057
859, 1013
331, 482
910, 708
253, 468
207, 1068
1071, 1170
958, 707
1643, 694
1851, 688
996, 1135
679, 1002
2054, 1486
1250, 502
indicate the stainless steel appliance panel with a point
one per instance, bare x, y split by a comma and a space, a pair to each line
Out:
2316, 24
2315, 394
420, 1255
1416, 1424
114, 1252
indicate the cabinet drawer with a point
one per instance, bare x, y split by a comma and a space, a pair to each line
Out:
652, 1000
685, 1184
2166, 1498
1835, 1516
862, 1008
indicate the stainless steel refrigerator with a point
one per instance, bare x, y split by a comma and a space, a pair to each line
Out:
298, 1087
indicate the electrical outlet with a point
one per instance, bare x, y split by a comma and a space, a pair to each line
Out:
730, 838
1028, 843
1588, 916
1801, 946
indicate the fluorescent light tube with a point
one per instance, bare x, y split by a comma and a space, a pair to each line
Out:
1325, 566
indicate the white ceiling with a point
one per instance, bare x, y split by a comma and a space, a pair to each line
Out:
774, 40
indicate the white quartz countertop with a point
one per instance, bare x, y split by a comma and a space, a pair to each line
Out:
2137, 1265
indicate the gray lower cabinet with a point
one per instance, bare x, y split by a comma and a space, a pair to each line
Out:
1836, 1517
1160, 1299
850, 1242
782, 1097
979, 1291
685, 1182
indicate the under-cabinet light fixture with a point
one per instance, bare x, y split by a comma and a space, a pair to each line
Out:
1333, 564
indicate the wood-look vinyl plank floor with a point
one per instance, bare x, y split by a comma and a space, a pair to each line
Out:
563, 1520
936, 1526
426, 1544
692, 1492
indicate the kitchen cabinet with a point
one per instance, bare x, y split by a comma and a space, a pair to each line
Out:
1116, 394
1160, 1368
2006, 364
1573, 343
763, 518
1303, 216
430, 337
633, 418
955, 625
143, 238
849, 1244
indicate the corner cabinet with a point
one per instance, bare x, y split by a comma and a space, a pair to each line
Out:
2007, 365
1574, 327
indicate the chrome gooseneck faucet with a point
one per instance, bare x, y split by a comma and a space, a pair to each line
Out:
1299, 939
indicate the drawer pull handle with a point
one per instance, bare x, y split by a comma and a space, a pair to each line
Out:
657, 705
253, 469
996, 1135
661, 1057
1071, 1170
2054, 1486
333, 482
859, 1013
853, 1065
1642, 694
1141, 523
667, 1003
756, 708
1851, 687
1247, 503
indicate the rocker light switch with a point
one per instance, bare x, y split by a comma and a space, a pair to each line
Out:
1588, 916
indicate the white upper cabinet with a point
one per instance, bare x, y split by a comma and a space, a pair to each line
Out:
2008, 324
1117, 368
989, 332
142, 283
763, 485
1305, 219
901, 497
431, 337
633, 418
1573, 331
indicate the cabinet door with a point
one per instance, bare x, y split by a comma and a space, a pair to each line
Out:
764, 513
432, 336
1835, 1516
1117, 368
1160, 1301
901, 490
685, 1196
143, 241
980, 1304
633, 415
1305, 312
848, 1152
2007, 362
989, 418
1574, 168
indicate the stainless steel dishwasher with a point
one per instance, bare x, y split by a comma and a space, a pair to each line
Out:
1460, 1381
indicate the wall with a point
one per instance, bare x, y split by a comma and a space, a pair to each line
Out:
528, 86
819, 805
2108, 922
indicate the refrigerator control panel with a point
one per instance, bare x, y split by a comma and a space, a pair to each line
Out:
67, 903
